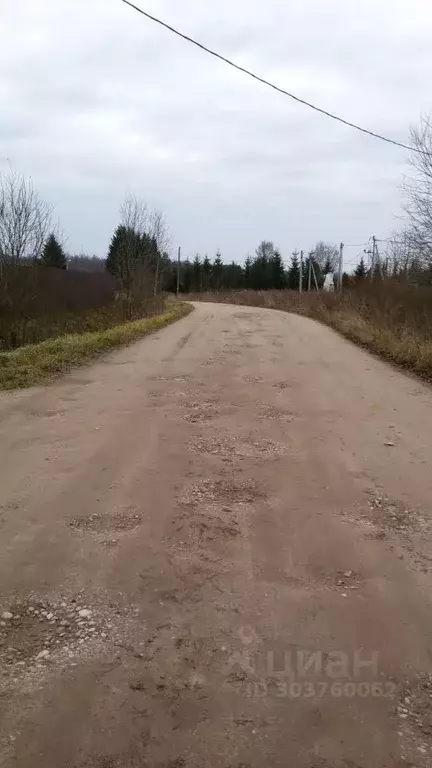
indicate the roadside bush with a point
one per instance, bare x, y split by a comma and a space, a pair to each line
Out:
37, 363
39, 303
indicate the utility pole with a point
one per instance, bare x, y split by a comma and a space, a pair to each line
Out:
373, 257
340, 279
310, 273
378, 261
295, 254
178, 272
315, 279
301, 272
156, 282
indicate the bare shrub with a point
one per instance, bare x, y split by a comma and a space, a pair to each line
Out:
25, 220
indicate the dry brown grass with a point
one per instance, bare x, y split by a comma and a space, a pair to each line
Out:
391, 319
38, 363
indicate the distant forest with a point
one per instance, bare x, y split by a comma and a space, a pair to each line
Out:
264, 270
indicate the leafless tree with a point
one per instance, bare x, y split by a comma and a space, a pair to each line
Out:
398, 254
158, 231
24, 220
133, 214
265, 250
138, 270
418, 191
325, 255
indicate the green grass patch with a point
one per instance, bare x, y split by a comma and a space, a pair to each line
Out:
37, 363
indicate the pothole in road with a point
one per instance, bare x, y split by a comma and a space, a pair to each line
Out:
222, 491
281, 385
241, 345
343, 581
415, 704
252, 380
276, 414
212, 524
176, 379
392, 515
122, 521
415, 718
168, 395
199, 413
46, 414
212, 361
34, 633
230, 448
383, 516
40, 635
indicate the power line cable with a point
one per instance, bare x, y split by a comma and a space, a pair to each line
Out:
271, 85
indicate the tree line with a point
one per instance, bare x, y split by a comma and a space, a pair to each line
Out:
138, 255
265, 270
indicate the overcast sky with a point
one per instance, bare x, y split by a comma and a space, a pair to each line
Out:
96, 100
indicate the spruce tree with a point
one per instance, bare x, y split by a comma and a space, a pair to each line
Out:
277, 271
217, 272
197, 274
53, 254
261, 274
118, 242
232, 276
207, 271
187, 277
360, 270
294, 274
248, 272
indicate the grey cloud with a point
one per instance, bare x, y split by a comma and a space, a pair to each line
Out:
96, 100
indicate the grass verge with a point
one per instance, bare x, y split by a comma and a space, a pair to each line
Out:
37, 363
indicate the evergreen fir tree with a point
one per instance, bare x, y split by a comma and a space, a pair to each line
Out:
53, 254
248, 272
207, 272
197, 275
277, 271
232, 276
114, 251
217, 272
294, 274
261, 276
187, 277
360, 270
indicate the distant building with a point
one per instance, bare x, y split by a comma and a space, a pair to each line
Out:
329, 283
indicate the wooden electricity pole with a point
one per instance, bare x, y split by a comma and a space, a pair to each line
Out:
373, 258
340, 278
178, 272
301, 272
315, 278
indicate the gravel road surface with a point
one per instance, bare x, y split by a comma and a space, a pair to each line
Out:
216, 552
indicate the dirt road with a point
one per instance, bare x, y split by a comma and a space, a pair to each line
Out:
216, 552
